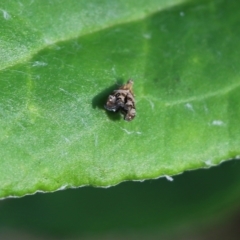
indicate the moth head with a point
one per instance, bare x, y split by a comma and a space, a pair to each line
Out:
111, 103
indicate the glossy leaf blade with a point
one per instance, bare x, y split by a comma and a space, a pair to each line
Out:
55, 132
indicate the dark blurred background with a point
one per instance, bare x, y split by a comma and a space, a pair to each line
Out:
200, 204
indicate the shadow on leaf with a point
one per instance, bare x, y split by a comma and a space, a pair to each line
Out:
100, 100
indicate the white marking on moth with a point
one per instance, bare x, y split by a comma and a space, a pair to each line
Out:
122, 99
189, 106
6, 15
217, 123
182, 14
169, 178
138, 133
147, 35
39, 64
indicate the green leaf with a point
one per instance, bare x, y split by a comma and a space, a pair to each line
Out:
59, 61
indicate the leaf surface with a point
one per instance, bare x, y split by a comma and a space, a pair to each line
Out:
60, 61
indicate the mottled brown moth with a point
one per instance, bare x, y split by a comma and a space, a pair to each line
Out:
123, 100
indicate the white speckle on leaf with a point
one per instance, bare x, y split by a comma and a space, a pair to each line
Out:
128, 132
25, 73
48, 41
182, 14
20, 125
205, 108
68, 94
169, 178
113, 70
66, 140
70, 66
76, 45
39, 64
147, 35
61, 89
95, 140
31, 2
57, 48
83, 122
6, 15
151, 103
209, 162
41, 191
64, 154
189, 106
20, 4
125, 130
62, 187
217, 123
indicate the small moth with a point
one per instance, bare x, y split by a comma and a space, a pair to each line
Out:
123, 100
